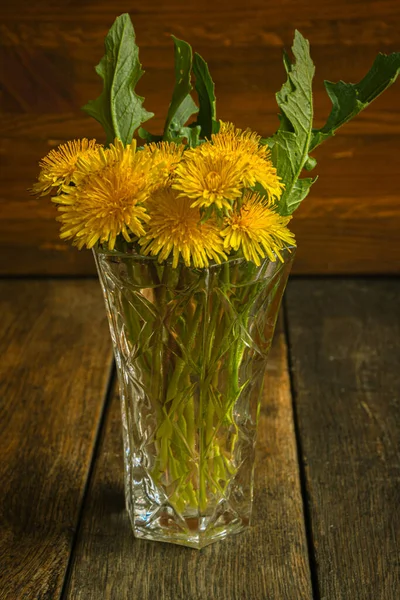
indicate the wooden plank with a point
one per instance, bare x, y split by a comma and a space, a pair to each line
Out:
345, 350
270, 561
54, 369
98, 11
244, 28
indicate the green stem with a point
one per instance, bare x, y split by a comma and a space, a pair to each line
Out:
180, 363
190, 424
161, 296
132, 317
206, 336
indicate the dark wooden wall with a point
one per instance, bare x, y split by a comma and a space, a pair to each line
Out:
351, 221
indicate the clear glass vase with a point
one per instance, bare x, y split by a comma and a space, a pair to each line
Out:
191, 347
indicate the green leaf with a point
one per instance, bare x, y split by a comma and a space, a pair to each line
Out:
184, 112
349, 99
182, 105
148, 137
300, 190
310, 163
118, 108
205, 88
192, 134
289, 146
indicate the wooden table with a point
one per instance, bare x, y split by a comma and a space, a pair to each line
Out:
326, 518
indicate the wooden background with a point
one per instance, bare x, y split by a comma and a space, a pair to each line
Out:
349, 224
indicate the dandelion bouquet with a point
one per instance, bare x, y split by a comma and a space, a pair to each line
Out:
190, 235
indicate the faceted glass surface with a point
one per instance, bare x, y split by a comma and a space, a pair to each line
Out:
191, 347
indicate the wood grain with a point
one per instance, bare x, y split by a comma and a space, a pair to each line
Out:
268, 562
48, 51
54, 370
91, 10
345, 350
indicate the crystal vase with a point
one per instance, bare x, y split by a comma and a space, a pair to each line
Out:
191, 347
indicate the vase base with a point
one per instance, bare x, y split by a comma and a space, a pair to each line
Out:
192, 531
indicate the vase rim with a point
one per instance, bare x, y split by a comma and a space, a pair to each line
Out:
288, 254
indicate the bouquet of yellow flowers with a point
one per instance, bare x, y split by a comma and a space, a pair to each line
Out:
190, 235
195, 203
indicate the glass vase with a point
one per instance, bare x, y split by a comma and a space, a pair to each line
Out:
191, 347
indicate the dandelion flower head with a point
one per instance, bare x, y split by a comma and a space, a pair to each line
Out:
59, 165
207, 179
108, 199
165, 157
175, 228
255, 157
257, 230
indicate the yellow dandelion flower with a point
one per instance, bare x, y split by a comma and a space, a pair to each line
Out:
58, 167
104, 158
106, 202
237, 138
257, 166
208, 179
257, 230
165, 157
175, 227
